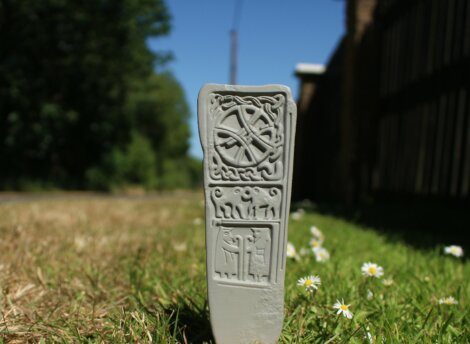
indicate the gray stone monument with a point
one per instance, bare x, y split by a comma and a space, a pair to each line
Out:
247, 134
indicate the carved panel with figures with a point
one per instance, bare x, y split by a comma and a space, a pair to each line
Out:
243, 254
247, 134
246, 202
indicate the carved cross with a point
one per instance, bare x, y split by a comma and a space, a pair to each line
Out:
247, 134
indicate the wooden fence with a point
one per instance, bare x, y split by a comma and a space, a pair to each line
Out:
400, 125
424, 126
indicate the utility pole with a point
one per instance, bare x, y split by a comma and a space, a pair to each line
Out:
233, 56
234, 42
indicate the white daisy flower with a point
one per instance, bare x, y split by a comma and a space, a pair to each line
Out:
310, 282
370, 295
321, 254
317, 233
388, 282
454, 250
343, 309
291, 252
449, 300
372, 270
297, 215
315, 243
368, 336
180, 247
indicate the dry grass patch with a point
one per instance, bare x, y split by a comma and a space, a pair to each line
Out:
70, 269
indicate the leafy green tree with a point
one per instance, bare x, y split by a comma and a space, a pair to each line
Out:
133, 165
160, 112
67, 68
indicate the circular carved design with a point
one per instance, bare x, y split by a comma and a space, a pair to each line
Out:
244, 135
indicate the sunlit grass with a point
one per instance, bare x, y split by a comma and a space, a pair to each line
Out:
406, 311
125, 270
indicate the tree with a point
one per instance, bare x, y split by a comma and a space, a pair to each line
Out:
161, 113
133, 165
67, 68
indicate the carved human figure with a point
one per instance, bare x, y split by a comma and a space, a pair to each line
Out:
264, 203
229, 203
259, 248
226, 251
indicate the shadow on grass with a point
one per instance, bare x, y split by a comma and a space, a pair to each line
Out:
182, 320
185, 319
420, 224
189, 322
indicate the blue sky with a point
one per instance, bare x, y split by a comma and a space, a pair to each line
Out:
274, 35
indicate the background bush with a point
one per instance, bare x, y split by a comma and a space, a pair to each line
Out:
135, 165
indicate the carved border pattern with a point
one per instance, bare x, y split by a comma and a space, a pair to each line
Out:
256, 144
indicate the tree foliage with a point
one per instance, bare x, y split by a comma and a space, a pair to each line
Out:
77, 85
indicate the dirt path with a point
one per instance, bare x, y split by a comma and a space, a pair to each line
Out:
18, 197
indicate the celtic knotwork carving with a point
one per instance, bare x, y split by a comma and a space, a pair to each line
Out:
247, 136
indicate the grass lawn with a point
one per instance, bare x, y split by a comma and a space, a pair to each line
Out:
104, 269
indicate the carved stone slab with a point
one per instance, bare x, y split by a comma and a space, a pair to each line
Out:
247, 134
